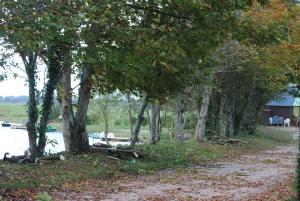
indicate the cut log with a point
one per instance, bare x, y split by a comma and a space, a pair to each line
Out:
217, 139
121, 152
49, 159
235, 141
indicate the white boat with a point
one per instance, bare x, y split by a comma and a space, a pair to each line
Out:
99, 138
18, 126
6, 124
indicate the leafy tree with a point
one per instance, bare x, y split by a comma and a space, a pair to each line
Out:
255, 35
33, 30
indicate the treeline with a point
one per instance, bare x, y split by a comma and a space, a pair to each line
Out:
14, 99
19, 99
221, 60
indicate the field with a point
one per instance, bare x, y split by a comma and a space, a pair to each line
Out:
16, 113
13, 112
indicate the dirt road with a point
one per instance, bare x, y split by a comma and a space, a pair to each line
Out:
266, 175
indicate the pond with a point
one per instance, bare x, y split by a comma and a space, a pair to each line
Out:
15, 141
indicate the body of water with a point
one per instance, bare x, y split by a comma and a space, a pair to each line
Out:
15, 141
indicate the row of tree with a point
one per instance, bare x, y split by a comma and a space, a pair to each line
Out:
209, 56
14, 99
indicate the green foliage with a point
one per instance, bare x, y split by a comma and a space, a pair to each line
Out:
55, 112
43, 197
118, 122
190, 121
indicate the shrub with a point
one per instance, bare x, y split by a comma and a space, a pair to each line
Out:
55, 112
191, 121
118, 122
44, 196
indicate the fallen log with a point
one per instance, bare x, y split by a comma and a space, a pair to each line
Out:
17, 159
49, 159
235, 141
121, 152
222, 140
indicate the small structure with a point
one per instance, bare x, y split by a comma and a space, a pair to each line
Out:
286, 106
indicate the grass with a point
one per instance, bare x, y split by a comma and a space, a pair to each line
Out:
169, 154
16, 113
13, 112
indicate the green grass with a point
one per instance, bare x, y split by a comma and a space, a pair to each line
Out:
13, 112
16, 113
166, 154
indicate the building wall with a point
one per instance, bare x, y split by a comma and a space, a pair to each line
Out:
281, 111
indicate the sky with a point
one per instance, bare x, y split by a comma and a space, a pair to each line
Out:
17, 86
13, 87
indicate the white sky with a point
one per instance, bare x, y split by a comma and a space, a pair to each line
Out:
18, 86
13, 87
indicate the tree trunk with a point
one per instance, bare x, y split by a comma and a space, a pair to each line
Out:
67, 109
139, 121
180, 122
130, 113
149, 120
106, 130
81, 113
53, 78
160, 123
222, 120
106, 117
239, 111
202, 114
32, 111
248, 123
229, 122
154, 126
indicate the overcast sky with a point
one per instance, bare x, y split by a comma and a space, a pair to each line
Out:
13, 87
17, 86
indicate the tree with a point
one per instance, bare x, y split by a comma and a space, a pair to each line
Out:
255, 35
166, 40
32, 31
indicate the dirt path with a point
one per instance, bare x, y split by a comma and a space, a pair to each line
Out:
267, 175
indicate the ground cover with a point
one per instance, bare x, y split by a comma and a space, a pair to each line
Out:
26, 180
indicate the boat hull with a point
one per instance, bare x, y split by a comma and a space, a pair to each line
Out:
6, 124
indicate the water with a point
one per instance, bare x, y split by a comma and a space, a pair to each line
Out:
15, 141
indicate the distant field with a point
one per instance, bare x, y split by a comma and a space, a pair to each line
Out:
13, 112
16, 113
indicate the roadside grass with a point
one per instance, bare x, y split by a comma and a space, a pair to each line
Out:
267, 137
166, 154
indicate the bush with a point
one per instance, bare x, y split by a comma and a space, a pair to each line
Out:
118, 122
145, 122
55, 112
43, 197
92, 119
191, 121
